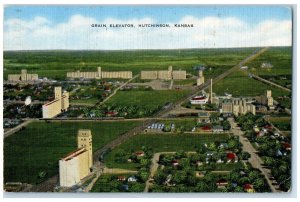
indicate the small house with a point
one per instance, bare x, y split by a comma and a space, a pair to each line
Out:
248, 188
217, 129
132, 179
221, 184
121, 178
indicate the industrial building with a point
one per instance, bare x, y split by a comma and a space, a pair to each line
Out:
76, 165
200, 79
266, 99
237, 106
23, 76
99, 74
58, 105
169, 74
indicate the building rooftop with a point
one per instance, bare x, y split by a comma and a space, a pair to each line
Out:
74, 154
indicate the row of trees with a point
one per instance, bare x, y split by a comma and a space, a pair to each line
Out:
274, 155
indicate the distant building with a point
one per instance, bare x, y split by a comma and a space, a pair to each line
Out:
237, 107
203, 117
156, 128
169, 74
99, 74
58, 105
23, 76
266, 99
199, 100
266, 65
218, 129
200, 79
76, 165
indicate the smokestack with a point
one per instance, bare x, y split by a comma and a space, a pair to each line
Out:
211, 98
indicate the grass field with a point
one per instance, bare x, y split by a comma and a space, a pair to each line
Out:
39, 147
160, 143
240, 84
55, 64
279, 57
282, 123
146, 99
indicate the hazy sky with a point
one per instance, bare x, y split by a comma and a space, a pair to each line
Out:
69, 27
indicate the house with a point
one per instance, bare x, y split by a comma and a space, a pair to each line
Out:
256, 129
217, 129
140, 153
168, 180
223, 146
287, 146
232, 157
221, 184
248, 188
111, 113
199, 163
132, 179
203, 117
175, 163
121, 178
199, 174
266, 65
206, 128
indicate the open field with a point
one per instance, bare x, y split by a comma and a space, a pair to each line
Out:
282, 123
149, 100
279, 57
55, 64
39, 146
240, 84
160, 143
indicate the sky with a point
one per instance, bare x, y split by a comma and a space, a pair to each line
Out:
69, 27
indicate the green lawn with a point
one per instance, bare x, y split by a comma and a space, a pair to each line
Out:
279, 57
146, 99
282, 123
39, 147
161, 143
240, 84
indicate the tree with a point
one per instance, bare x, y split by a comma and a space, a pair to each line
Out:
245, 155
253, 175
201, 186
269, 161
160, 177
259, 184
143, 174
226, 125
212, 146
232, 144
238, 189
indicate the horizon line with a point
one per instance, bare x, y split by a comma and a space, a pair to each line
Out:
143, 49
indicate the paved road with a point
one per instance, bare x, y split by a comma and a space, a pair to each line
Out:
16, 129
270, 82
254, 160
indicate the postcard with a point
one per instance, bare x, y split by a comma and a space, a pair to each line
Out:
148, 99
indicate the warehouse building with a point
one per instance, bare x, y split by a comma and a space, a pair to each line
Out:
99, 74
23, 76
169, 74
76, 165
58, 105
237, 106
